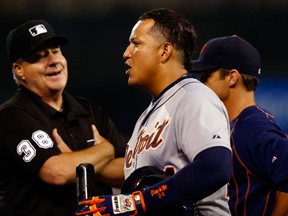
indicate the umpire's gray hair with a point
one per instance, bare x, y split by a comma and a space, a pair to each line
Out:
15, 77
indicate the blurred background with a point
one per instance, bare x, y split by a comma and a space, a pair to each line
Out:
98, 32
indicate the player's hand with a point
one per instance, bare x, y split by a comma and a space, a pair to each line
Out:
111, 205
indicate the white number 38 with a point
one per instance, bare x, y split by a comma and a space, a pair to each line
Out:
41, 138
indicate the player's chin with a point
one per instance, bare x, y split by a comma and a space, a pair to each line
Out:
132, 82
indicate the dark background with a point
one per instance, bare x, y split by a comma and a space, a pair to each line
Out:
98, 32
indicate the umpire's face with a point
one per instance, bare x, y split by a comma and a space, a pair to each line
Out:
43, 72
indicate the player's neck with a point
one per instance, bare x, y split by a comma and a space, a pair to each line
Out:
237, 102
163, 79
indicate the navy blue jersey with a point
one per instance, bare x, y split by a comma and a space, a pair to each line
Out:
260, 162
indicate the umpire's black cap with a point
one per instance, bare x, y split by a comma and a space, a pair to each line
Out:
229, 52
28, 37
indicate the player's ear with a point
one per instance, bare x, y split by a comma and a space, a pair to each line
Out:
166, 51
233, 77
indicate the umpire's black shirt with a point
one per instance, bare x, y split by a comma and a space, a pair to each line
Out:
26, 142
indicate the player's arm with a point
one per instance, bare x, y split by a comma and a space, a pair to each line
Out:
60, 169
280, 207
277, 170
211, 169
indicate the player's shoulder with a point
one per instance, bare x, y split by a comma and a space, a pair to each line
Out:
202, 100
255, 113
195, 88
259, 121
197, 92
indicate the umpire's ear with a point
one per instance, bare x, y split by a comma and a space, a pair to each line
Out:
18, 70
166, 52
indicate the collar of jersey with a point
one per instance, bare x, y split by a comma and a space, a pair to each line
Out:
171, 85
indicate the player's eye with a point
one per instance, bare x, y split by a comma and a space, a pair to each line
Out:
135, 42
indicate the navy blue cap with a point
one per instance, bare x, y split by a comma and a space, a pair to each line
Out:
28, 37
229, 52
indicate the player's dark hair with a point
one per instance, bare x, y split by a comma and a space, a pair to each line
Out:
250, 82
223, 72
176, 29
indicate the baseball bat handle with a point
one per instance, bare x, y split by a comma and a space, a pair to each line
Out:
85, 182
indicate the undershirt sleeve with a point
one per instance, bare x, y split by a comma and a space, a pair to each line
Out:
210, 170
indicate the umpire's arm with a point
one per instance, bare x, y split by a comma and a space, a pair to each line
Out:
60, 169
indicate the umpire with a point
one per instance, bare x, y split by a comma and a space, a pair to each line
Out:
45, 132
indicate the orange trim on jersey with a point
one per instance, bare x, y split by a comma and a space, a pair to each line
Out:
236, 191
247, 191
146, 141
266, 203
266, 113
248, 174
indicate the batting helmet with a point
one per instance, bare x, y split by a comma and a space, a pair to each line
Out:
147, 176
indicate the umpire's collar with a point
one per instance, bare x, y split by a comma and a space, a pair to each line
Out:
71, 108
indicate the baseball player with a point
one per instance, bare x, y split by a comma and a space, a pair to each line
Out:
230, 66
185, 128
37, 168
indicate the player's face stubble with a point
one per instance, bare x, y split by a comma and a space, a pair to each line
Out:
218, 84
142, 55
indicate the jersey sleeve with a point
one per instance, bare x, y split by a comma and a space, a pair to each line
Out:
271, 153
262, 146
280, 158
25, 139
202, 123
193, 182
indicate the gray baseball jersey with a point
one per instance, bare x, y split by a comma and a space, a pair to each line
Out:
185, 120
